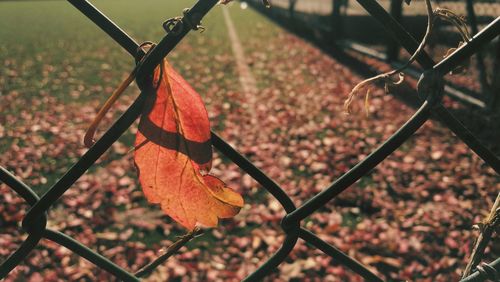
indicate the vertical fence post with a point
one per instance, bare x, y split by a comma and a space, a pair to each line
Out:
291, 13
483, 79
396, 11
336, 20
494, 99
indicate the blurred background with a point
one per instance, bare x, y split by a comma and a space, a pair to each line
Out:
408, 219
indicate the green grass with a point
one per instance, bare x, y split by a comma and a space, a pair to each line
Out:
38, 34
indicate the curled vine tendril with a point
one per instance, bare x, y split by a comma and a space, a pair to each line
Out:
176, 25
442, 13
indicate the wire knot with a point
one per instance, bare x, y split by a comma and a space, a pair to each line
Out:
430, 86
142, 51
487, 271
176, 25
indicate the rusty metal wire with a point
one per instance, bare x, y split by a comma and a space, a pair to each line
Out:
430, 89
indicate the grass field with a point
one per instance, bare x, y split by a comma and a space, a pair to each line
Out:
53, 33
408, 219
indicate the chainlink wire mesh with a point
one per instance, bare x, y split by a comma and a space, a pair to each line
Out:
430, 89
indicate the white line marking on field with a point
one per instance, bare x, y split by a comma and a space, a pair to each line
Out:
247, 80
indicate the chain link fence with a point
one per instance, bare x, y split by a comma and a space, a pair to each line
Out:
347, 25
430, 89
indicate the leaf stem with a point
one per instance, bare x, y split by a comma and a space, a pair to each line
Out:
88, 139
171, 250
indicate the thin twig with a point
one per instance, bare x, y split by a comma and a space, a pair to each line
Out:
171, 250
428, 31
386, 76
461, 25
88, 139
456, 20
445, 14
486, 229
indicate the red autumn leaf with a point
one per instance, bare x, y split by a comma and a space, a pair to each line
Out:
173, 148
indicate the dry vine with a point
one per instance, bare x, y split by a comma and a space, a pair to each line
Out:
432, 15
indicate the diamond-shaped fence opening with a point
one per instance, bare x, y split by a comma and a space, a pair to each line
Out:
430, 88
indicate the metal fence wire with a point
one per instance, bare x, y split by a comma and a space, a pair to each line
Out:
430, 89
345, 26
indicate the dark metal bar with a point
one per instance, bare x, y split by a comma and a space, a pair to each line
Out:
465, 51
35, 220
87, 160
131, 46
35, 230
273, 262
483, 276
396, 10
276, 191
466, 96
291, 12
108, 26
471, 16
363, 167
396, 30
493, 103
481, 68
26, 247
22, 189
171, 39
121, 125
410, 44
336, 20
93, 257
338, 255
467, 137
254, 172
